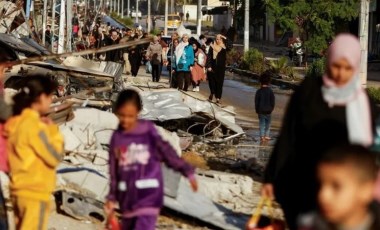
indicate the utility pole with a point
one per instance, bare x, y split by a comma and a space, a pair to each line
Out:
199, 18
363, 35
28, 6
61, 40
122, 8
246, 26
172, 6
69, 26
44, 19
137, 11
166, 17
234, 16
53, 24
129, 7
149, 17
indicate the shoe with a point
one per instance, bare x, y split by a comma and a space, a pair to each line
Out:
197, 89
211, 97
262, 139
218, 102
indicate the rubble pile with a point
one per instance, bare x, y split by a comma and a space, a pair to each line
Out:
205, 134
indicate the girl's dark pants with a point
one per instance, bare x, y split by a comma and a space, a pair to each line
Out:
216, 82
156, 73
184, 80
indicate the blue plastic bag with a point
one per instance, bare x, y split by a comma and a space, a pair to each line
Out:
148, 67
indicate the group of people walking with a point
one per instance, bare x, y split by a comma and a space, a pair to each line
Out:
192, 61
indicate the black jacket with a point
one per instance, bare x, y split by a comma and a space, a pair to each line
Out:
113, 55
217, 65
264, 101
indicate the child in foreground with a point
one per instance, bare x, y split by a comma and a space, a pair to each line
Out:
136, 151
35, 147
347, 178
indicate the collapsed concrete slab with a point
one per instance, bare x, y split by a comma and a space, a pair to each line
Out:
85, 178
203, 208
113, 69
80, 207
164, 105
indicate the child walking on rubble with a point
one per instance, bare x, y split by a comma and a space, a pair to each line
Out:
137, 149
34, 147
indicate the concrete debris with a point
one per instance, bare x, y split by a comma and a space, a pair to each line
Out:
107, 68
203, 208
164, 105
10, 15
86, 178
72, 78
85, 172
80, 207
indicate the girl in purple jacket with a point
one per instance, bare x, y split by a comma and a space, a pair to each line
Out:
136, 151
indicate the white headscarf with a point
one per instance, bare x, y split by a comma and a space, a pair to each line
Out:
180, 49
352, 95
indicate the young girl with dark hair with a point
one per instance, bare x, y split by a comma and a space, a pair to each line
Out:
35, 149
198, 70
136, 151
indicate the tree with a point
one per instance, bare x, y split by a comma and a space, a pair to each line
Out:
256, 12
315, 20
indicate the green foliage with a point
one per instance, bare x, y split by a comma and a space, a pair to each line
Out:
254, 60
155, 31
316, 21
125, 21
234, 57
374, 93
317, 68
281, 67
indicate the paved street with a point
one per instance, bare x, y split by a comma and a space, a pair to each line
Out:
239, 92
